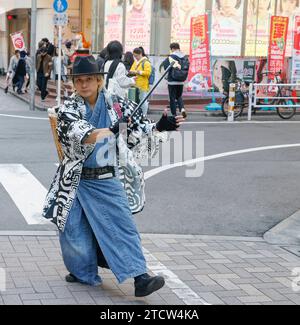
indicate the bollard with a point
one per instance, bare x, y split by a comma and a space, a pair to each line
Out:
231, 102
251, 87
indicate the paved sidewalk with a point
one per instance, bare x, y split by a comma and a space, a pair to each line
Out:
199, 270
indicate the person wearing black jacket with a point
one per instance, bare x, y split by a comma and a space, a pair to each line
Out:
21, 72
175, 86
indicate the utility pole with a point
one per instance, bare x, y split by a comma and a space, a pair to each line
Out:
32, 53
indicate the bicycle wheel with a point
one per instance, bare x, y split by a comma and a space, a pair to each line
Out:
286, 113
238, 109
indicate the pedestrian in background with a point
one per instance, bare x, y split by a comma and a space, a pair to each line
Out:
22, 70
101, 59
128, 60
141, 68
63, 70
12, 69
177, 78
116, 80
43, 68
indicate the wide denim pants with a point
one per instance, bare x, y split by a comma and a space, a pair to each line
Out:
101, 215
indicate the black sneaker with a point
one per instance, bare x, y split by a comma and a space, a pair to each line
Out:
6, 90
70, 278
145, 285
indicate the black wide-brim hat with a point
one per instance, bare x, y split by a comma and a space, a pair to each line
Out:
85, 66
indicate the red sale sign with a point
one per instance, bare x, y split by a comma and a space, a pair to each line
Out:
18, 41
277, 47
296, 52
199, 74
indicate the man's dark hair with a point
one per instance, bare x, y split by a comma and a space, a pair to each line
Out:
103, 53
43, 50
175, 46
138, 51
68, 45
17, 51
143, 51
114, 50
45, 40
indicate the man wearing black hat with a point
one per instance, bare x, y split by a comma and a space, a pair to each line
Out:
99, 186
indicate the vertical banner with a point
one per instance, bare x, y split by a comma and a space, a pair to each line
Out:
227, 26
296, 52
182, 13
18, 41
257, 33
289, 8
277, 45
138, 24
199, 74
113, 21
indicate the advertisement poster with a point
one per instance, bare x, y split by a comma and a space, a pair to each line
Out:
182, 13
227, 26
296, 52
249, 71
289, 8
138, 24
113, 23
278, 37
18, 41
258, 21
199, 74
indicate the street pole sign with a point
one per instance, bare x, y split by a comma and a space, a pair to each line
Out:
60, 19
60, 6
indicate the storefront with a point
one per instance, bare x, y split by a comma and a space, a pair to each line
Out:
239, 29
15, 17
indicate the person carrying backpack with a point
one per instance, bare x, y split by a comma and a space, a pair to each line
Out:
177, 78
143, 70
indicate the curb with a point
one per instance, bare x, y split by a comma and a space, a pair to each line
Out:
24, 99
285, 233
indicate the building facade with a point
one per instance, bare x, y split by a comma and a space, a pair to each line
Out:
239, 28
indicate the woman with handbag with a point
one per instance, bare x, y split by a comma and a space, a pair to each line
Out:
87, 199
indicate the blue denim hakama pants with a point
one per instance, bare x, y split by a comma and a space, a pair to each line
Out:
101, 217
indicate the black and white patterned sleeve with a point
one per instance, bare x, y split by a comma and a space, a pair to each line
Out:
72, 131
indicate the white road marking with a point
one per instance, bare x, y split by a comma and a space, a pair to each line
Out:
162, 169
26, 191
29, 194
187, 123
25, 117
179, 288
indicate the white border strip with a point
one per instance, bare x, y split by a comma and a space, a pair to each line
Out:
179, 288
25, 117
159, 170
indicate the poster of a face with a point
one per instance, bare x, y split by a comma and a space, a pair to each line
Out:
113, 25
258, 26
289, 8
138, 24
227, 25
182, 13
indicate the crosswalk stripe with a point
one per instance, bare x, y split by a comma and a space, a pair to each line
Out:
26, 192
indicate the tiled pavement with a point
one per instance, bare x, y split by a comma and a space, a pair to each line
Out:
200, 269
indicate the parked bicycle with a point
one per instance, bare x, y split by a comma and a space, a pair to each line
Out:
284, 109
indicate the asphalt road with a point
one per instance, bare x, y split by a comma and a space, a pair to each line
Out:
238, 195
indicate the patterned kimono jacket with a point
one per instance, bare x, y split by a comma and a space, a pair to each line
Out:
73, 129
